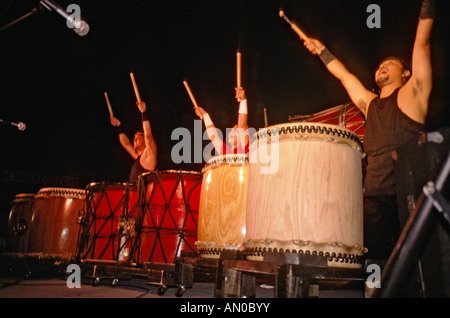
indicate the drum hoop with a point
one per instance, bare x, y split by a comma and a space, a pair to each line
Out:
20, 199
94, 185
61, 192
24, 197
296, 131
228, 160
184, 172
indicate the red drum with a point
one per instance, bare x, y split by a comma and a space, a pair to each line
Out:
18, 223
169, 214
347, 115
53, 227
108, 221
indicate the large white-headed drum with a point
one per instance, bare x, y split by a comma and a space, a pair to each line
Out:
223, 204
305, 193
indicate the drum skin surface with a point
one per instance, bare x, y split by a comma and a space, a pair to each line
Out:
313, 202
223, 205
347, 115
54, 228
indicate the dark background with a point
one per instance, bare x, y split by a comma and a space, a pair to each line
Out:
54, 80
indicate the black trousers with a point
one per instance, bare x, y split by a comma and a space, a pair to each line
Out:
381, 225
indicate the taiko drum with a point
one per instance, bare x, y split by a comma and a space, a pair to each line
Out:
53, 227
19, 223
223, 205
108, 221
310, 200
168, 216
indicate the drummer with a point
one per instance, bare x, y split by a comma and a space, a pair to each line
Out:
238, 137
399, 112
143, 149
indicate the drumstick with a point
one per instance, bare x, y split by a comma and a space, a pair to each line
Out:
190, 94
109, 105
296, 28
238, 70
265, 118
138, 98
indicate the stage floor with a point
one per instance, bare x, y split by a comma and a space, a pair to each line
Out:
56, 287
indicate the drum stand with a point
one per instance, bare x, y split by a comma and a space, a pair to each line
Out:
415, 233
292, 275
95, 267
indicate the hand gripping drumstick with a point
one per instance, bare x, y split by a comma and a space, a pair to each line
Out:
138, 98
296, 29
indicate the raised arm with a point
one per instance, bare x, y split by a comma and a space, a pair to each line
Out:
211, 129
123, 138
149, 155
414, 95
359, 95
243, 109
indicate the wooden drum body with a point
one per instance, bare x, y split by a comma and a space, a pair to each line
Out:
54, 228
19, 223
168, 217
312, 203
223, 205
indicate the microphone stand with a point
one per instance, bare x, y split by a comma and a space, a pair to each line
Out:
19, 19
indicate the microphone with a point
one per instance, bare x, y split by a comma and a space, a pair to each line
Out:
20, 125
79, 26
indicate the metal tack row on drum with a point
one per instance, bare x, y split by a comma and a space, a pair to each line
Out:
311, 203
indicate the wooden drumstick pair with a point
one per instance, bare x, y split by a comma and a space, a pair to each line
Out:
136, 91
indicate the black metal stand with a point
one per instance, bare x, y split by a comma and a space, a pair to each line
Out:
292, 275
414, 235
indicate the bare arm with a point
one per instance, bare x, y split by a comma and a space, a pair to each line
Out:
123, 138
149, 155
359, 95
414, 95
211, 130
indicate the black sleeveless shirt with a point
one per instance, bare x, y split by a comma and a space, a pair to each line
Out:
136, 170
387, 127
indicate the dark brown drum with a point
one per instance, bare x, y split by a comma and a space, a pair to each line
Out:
19, 223
53, 227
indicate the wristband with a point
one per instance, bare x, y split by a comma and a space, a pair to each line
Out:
120, 130
326, 56
243, 107
145, 116
427, 10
